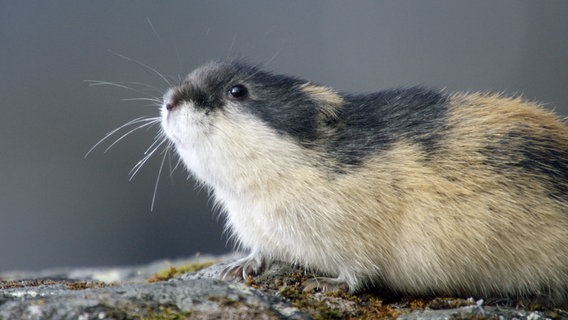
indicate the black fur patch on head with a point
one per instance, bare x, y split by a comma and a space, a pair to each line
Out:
371, 123
200, 98
208, 86
275, 99
362, 126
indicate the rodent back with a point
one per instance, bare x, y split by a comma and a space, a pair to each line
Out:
508, 135
348, 127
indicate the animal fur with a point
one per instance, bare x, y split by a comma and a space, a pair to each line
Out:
415, 190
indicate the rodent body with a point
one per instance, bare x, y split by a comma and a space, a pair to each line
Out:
415, 190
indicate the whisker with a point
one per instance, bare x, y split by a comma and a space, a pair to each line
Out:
274, 56
107, 83
126, 85
153, 29
142, 84
131, 122
167, 150
145, 66
179, 63
156, 140
158, 180
170, 146
177, 165
151, 122
155, 100
141, 163
233, 42
148, 94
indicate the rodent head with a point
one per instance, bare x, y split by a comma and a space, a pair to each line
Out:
235, 90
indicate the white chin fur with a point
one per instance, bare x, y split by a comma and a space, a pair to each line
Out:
239, 163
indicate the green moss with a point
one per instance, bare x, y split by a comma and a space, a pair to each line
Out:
337, 304
70, 285
288, 283
172, 271
82, 285
11, 284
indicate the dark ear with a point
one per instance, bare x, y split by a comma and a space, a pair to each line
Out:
328, 101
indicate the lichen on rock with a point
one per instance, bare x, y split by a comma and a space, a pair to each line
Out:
192, 289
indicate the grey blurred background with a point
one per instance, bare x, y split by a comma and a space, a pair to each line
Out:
59, 209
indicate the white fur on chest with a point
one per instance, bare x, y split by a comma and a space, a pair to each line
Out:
261, 179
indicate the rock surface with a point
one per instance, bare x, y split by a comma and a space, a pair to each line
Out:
125, 293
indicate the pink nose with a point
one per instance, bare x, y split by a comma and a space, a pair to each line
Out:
170, 106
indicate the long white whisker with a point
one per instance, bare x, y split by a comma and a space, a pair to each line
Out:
176, 166
131, 122
140, 163
233, 42
125, 85
170, 159
142, 84
155, 100
272, 58
147, 67
170, 163
179, 63
157, 139
153, 29
147, 124
107, 83
158, 181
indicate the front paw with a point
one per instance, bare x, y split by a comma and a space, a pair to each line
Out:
241, 269
324, 285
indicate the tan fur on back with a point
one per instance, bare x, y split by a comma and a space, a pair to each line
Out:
418, 228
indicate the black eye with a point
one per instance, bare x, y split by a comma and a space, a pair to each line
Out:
238, 91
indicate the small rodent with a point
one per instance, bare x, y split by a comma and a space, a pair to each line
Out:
418, 191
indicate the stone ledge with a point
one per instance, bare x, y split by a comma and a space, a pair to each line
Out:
124, 293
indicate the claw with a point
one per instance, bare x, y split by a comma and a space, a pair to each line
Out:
324, 285
243, 268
